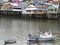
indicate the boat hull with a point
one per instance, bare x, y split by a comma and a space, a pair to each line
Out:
41, 38
46, 39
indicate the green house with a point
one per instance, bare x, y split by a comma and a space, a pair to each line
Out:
52, 9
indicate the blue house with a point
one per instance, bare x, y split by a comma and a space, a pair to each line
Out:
41, 6
38, 4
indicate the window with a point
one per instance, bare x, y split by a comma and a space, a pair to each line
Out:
34, 10
51, 9
47, 1
28, 10
55, 9
16, 8
10, 0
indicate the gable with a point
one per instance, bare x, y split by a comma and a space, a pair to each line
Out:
52, 7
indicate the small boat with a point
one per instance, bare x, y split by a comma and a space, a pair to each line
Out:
31, 38
47, 36
10, 41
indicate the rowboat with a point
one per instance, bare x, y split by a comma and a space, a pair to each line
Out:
10, 41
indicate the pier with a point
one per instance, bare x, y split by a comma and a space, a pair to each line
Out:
7, 12
52, 16
41, 15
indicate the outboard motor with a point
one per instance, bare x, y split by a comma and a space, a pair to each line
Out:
29, 35
37, 39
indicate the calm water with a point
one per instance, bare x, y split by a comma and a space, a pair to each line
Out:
19, 28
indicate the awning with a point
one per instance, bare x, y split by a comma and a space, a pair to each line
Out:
31, 8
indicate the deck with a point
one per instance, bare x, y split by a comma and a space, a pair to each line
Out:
8, 12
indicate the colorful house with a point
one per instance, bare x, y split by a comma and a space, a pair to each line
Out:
52, 9
41, 6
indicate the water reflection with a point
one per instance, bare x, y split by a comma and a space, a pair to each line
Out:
19, 28
46, 43
42, 43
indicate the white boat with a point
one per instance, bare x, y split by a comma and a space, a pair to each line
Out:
47, 36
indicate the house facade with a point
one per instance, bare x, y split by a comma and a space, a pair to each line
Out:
52, 9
